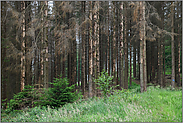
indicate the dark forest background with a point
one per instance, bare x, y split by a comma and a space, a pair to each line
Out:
139, 41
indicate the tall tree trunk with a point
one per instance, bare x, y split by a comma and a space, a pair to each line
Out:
179, 50
114, 43
138, 55
83, 51
108, 39
45, 69
162, 47
159, 64
153, 59
121, 48
90, 94
96, 36
143, 75
4, 72
23, 48
134, 60
130, 52
172, 48
28, 42
130, 63
125, 51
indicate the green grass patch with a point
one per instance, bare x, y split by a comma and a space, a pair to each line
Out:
155, 105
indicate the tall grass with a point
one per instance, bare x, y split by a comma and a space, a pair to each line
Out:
155, 105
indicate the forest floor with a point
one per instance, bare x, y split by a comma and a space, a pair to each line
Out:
155, 105
166, 84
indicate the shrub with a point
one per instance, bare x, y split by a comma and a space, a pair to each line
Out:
21, 100
61, 93
105, 83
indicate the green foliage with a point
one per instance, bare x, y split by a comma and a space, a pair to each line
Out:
105, 83
60, 94
21, 100
155, 105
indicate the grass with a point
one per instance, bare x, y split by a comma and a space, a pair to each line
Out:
155, 105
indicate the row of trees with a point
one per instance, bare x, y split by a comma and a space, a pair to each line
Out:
41, 40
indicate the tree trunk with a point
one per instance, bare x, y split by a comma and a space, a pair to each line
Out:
90, 94
23, 48
114, 44
45, 69
121, 48
28, 42
125, 51
172, 48
143, 72
83, 51
134, 60
108, 36
96, 17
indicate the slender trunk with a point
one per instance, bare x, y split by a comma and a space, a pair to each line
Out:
108, 51
90, 53
130, 63
83, 52
134, 60
144, 42
130, 53
172, 48
27, 45
23, 48
121, 47
114, 44
126, 52
179, 50
45, 69
162, 47
4, 74
153, 59
138, 55
97, 43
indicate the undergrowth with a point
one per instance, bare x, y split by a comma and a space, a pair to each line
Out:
155, 105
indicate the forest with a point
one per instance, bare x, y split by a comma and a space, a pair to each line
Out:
93, 48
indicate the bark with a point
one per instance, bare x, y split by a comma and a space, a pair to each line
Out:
138, 55
172, 47
46, 85
96, 18
179, 50
144, 42
23, 48
108, 39
114, 44
162, 47
28, 42
125, 51
134, 60
143, 72
90, 94
153, 63
4, 74
94, 27
130, 52
130, 63
83, 52
121, 48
